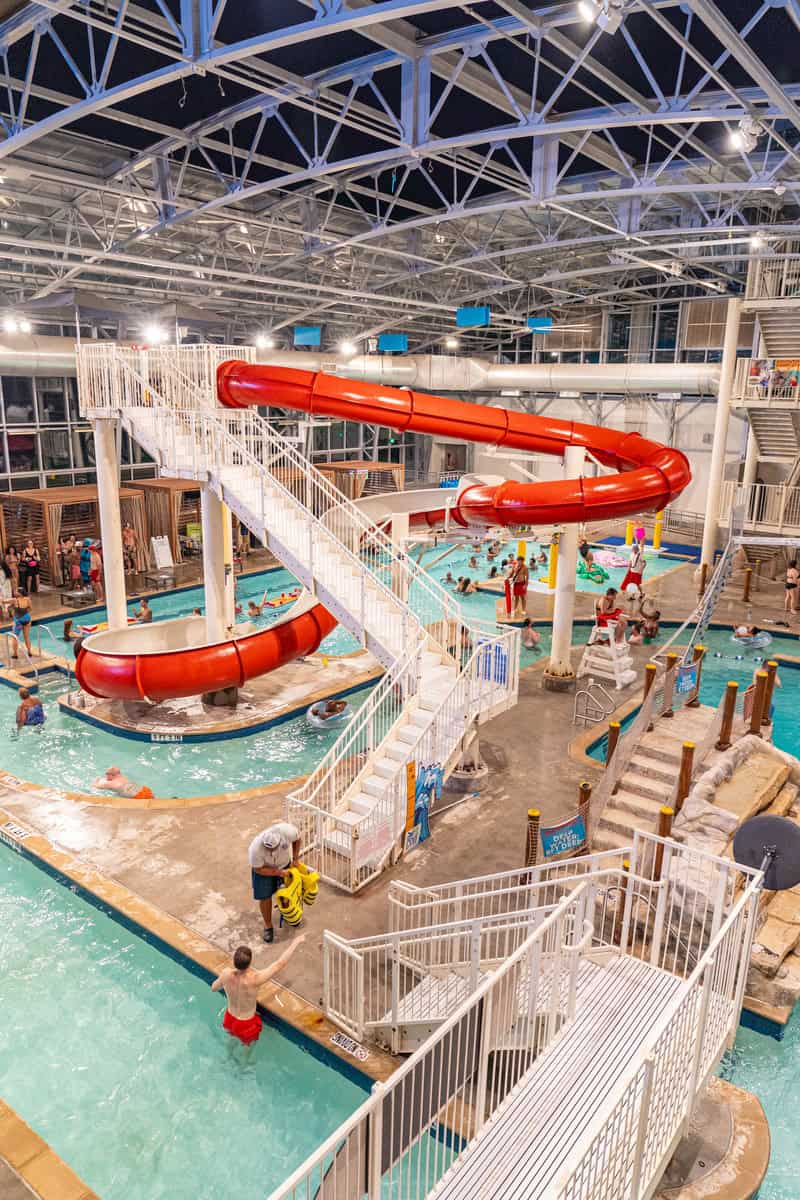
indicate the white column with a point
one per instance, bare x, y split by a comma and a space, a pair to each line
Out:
105, 453
559, 670
721, 420
750, 459
400, 528
230, 580
212, 515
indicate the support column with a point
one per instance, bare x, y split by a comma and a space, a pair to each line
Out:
721, 420
750, 460
399, 536
105, 453
212, 516
559, 676
215, 519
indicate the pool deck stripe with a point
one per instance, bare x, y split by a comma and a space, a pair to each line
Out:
277, 1003
36, 1163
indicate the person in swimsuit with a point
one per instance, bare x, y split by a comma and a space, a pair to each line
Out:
86, 561
635, 567
607, 609
518, 579
129, 548
11, 567
585, 551
21, 627
145, 614
530, 636
790, 592
254, 608
29, 568
241, 985
115, 781
30, 713
96, 573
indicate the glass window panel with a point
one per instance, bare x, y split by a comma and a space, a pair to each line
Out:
85, 477
72, 397
55, 450
23, 451
52, 399
24, 483
18, 400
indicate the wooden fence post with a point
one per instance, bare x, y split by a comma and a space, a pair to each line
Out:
761, 681
665, 816
731, 692
650, 670
613, 737
684, 774
699, 655
584, 803
672, 662
748, 579
703, 577
772, 671
532, 839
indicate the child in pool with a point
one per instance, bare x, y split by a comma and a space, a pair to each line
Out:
530, 636
636, 636
651, 626
30, 713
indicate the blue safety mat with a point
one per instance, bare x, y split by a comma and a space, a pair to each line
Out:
692, 552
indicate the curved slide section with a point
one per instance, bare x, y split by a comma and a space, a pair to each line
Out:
170, 659
650, 475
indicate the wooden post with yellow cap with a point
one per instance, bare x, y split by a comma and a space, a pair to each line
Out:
697, 657
650, 670
665, 815
684, 774
728, 711
613, 737
761, 682
772, 672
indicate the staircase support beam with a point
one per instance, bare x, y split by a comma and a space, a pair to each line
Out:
105, 449
213, 514
721, 422
559, 674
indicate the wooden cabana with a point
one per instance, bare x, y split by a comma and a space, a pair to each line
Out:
171, 505
363, 477
49, 513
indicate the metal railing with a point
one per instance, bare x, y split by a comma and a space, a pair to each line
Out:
776, 278
766, 383
12, 659
349, 853
774, 504
684, 912
168, 398
393, 1144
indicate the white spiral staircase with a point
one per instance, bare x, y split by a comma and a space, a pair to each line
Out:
444, 674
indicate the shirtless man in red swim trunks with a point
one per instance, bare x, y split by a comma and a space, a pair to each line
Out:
241, 984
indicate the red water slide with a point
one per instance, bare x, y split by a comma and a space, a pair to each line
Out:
649, 475
111, 665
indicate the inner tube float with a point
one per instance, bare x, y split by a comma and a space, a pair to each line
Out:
609, 558
316, 720
762, 638
87, 629
284, 599
595, 572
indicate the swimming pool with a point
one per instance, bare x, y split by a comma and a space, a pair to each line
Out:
113, 1052
69, 753
768, 1068
727, 660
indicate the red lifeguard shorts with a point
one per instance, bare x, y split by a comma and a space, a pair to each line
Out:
520, 589
604, 618
246, 1031
632, 577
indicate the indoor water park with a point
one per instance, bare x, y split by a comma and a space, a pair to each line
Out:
400, 601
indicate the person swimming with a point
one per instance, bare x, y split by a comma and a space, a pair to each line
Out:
530, 636
115, 781
30, 714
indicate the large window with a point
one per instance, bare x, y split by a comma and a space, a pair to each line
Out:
55, 449
18, 400
23, 451
52, 400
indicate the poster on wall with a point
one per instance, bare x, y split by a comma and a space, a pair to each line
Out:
567, 835
686, 679
428, 782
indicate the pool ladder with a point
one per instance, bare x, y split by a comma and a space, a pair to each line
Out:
31, 664
592, 704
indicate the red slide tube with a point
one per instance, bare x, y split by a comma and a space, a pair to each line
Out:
169, 674
650, 475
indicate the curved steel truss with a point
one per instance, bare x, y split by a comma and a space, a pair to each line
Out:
373, 164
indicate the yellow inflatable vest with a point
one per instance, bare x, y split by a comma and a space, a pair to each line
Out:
289, 898
310, 883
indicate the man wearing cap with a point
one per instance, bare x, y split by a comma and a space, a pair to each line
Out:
271, 854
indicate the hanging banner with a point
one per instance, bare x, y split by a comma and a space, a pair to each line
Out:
411, 794
567, 835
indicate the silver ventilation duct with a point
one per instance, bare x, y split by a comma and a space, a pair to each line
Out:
443, 373
27, 354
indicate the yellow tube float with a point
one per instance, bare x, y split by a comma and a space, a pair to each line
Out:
310, 883
289, 898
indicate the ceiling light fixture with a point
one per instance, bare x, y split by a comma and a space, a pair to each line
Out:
606, 14
10, 325
451, 343
746, 134
757, 241
153, 334
25, 326
264, 342
347, 348
243, 228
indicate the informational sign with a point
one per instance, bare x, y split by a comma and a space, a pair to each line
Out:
540, 324
427, 791
686, 680
162, 553
411, 794
194, 530
308, 335
568, 835
349, 1046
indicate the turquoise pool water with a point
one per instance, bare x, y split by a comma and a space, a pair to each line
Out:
70, 753
114, 1054
768, 1068
727, 660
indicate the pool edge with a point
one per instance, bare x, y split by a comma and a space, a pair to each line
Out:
299, 1018
35, 1161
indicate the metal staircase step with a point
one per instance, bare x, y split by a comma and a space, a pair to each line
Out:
375, 785
637, 805
652, 766
363, 803
387, 767
658, 790
623, 822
